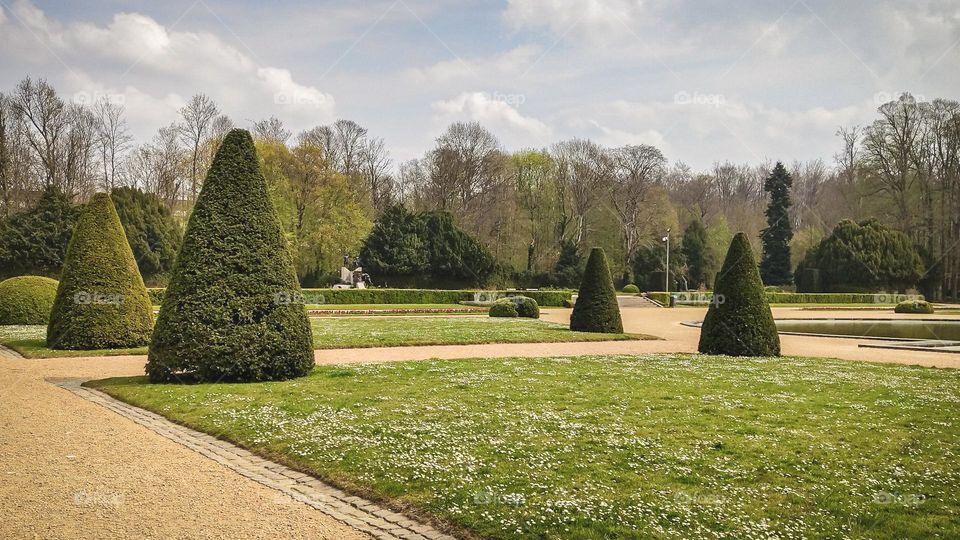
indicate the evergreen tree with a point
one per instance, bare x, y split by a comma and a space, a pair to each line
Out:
596, 309
35, 242
695, 253
101, 301
739, 321
775, 266
233, 310
568, 272
151, 229
394, 246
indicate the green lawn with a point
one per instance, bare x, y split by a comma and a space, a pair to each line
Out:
657, 446
357, 332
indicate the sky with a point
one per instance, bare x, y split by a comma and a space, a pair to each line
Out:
705, 81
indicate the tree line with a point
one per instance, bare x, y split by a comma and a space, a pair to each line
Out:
535, 210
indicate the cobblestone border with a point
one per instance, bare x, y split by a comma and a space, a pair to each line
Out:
361, 514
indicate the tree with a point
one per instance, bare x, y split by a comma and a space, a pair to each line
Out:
271, 129
394, 246
584, 171
696, 253
151, 229
775, 265
101, 301
233, 310
739, 321
113, 140
568, 272
596, 309
35, 242
636, 170
197, 114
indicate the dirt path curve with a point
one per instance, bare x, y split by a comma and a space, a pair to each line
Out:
72, 469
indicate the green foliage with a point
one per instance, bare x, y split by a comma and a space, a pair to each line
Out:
596, 309
775, 265
739, 321
649, 262
503, 309
151, 229
630, 288
234, 309
101, 301
27, 299
526, 307
914, 306
568, 272
35, 242
696, 254
403, 243
865, 256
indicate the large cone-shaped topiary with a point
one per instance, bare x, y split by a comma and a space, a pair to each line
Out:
101, 302
596, 309
233, 310
739, 322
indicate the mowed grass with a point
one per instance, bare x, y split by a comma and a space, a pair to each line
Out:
654, 446
358, 332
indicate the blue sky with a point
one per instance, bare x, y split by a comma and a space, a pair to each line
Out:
705, 81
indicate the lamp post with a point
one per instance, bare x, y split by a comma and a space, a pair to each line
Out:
666, 278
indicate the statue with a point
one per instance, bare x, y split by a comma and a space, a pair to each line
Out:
352, 279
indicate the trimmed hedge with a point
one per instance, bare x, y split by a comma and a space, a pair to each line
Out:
234, 310
27, 299
630, 288
503, 309
596, 309
739, 321
914, 306
411, 296
525, 306
101, 300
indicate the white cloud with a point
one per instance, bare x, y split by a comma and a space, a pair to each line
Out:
590, 19
155, 68
510, 63
496, 112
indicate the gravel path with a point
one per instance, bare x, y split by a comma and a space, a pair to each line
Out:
72, 469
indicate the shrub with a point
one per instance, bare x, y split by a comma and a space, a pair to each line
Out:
596, 309
101, 301
27, 299
234, 310
526, 306
151, 229
739, 321
630, 288
35, 242
914, 306
503, 309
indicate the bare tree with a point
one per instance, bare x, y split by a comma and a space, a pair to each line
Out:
198, 115
636, 170
374, 170
15, 160
79, 152
584, 172
113, 139
46, 115
271, 129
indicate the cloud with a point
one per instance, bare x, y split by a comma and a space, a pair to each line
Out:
498, 113
157, 67
587, 19
510, 63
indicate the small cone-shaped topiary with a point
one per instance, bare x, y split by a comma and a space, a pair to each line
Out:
596, 309
739, 321
233, 310
101, 301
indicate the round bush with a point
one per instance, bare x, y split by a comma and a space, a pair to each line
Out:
526, 307
101, 301
914, 306
630, 288
739, 321
233, 310
503, 309
596, 309
27, 299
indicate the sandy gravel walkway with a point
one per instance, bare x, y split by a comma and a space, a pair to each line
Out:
72, 469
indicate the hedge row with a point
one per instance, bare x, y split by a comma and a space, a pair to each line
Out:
698, 298
410, 296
